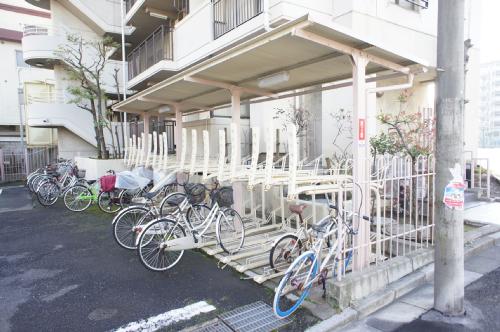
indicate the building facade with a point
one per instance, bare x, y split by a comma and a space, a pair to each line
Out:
19, 80
165, 40
490, 105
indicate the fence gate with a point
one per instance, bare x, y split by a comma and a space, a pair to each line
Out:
16, 164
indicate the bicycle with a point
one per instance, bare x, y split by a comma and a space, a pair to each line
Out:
128, 224
288, 247
81, 195
309, 267
162, 242
51, 188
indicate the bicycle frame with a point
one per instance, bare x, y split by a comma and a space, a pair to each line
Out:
192, 242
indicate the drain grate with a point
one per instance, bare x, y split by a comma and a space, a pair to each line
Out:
217, 326
254, 317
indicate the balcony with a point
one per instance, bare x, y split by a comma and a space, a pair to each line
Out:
157, 47
230, 14
39, 46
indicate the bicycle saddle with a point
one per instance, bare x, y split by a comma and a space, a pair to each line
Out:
91, 182
297, 209
322, 225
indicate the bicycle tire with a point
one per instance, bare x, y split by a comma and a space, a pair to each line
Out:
169, 204
151, 240
197, 214
48, 193
281, 291
287, 254
107, 203
230, 231
125, 231
77, 190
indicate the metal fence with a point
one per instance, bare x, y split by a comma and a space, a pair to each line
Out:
229, 14
402, 201
16, 164
158, 46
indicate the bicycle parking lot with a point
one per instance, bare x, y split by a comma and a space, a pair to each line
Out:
62, 270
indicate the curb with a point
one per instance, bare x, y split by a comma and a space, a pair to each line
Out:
477, 242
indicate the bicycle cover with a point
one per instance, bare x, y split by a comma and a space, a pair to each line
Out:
129, 180
107, 182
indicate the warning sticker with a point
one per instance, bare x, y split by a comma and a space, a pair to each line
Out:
454, 196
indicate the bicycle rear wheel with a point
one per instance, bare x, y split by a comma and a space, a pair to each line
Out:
284, 252
77, 198
129, 224
109, 202
293, 282
151, 245
230, 231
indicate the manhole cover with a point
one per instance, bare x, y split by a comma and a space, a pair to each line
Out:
217, 326
257, 316
102, 314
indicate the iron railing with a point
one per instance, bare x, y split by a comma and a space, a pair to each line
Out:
158, 46
229, 14
16, 164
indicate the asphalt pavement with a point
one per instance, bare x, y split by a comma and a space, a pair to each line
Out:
62, 271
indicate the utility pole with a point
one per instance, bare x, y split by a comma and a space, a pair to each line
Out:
449, 231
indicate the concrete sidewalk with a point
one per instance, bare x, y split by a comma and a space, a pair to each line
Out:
412, 312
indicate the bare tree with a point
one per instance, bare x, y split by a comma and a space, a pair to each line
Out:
301, 118
84, 61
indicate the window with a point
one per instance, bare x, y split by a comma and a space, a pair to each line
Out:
20, 60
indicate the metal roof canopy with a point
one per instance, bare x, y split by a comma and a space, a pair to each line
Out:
311, 54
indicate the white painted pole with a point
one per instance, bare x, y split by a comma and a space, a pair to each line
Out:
124, 67
178, 131
236, 147
361, 164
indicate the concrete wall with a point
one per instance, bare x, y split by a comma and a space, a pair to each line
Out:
70, 145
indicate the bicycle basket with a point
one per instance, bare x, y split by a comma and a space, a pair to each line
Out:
107, 182
223, 196
196, 193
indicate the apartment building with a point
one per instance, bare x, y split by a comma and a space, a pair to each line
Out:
19, 80
41, 45
206, 64
490, 105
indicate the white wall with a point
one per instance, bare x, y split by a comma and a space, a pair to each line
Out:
69, 145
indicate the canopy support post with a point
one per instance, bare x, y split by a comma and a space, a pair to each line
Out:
361, 163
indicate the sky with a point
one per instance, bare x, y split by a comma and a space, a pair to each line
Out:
490, 30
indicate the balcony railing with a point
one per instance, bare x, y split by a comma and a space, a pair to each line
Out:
158, 46
229, 14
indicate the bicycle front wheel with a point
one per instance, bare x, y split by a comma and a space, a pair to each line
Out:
230, 231
303, 269
48, 193
109, 202
77, 198
151, 245
129, 224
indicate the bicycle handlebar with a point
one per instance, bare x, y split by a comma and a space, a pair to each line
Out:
334, 207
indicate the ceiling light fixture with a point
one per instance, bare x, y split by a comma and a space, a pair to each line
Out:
275, 79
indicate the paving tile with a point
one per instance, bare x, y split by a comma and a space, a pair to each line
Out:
359, 327
491, 253
481, 264
422, 297
470, 277
393, 316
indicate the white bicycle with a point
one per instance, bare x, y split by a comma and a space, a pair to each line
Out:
162, 242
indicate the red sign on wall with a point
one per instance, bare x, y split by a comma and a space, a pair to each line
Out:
361, 130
